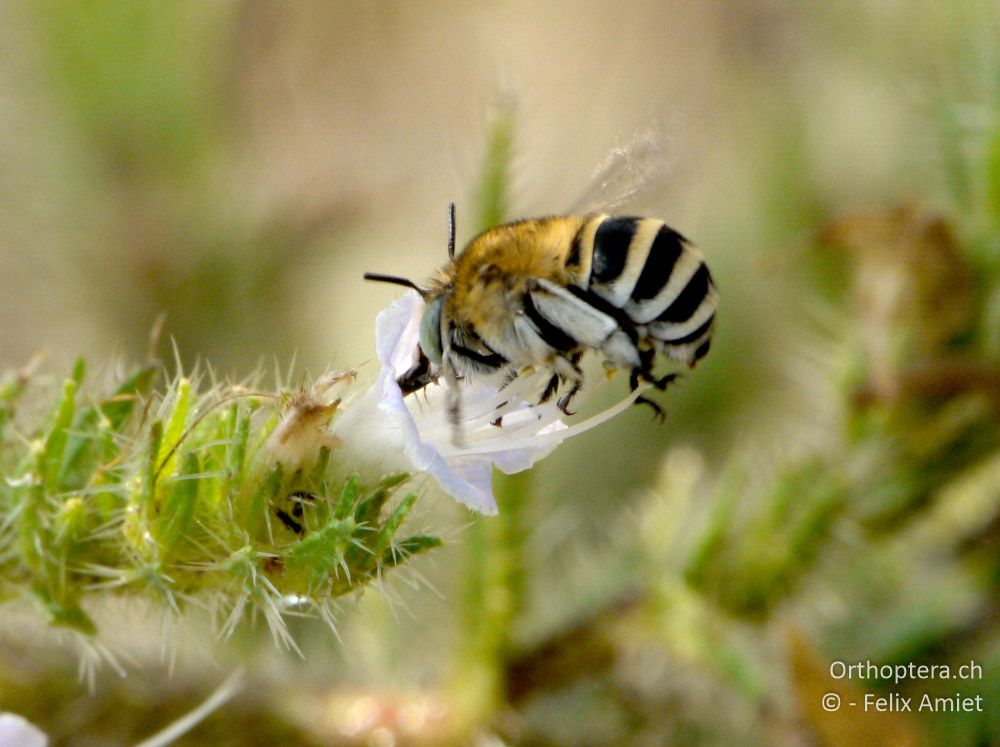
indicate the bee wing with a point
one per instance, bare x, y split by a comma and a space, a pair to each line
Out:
569, 315
632, 171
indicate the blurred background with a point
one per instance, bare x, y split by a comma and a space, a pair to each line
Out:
827, 485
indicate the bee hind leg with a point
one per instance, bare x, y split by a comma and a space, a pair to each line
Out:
665, 381
633, 380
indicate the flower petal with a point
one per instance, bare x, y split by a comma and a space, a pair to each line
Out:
17, 731
415, 433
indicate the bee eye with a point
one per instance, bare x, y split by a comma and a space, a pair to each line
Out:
430, 331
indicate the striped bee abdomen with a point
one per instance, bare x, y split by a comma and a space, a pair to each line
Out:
651, 273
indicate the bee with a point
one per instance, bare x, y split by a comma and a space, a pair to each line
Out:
537, 294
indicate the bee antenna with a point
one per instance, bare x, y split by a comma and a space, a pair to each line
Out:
451, 230
394, 280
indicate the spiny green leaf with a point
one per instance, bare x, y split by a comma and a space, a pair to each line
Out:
79, 371
153, 461
391, 481
174, 429
141, 493
256, 517
29, 498
119, 406
55, 441
173, 525
404, 549
367, 512
238, 443
92, 432
83, 451
70, 521
320, 556
384, 535
348, 497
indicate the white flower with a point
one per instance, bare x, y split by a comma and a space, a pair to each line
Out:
415, 435
17, 731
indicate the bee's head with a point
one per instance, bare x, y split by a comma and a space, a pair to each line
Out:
430, 330
431, 345
430, 350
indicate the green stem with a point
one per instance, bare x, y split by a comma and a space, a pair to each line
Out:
494, 585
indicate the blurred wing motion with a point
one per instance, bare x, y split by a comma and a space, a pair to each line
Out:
632, 172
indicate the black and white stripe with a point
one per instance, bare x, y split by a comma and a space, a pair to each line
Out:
640, 289
462, 346
655, 277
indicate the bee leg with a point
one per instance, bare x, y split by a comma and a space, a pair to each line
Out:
633, 380
563, 403
662, 383
657, 410
550, 389
647, 358
568, 370
288, 521
299, 498
508, 379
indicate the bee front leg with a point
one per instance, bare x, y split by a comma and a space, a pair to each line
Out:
551, 388
510, 375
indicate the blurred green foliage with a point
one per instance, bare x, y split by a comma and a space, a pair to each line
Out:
827, 487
